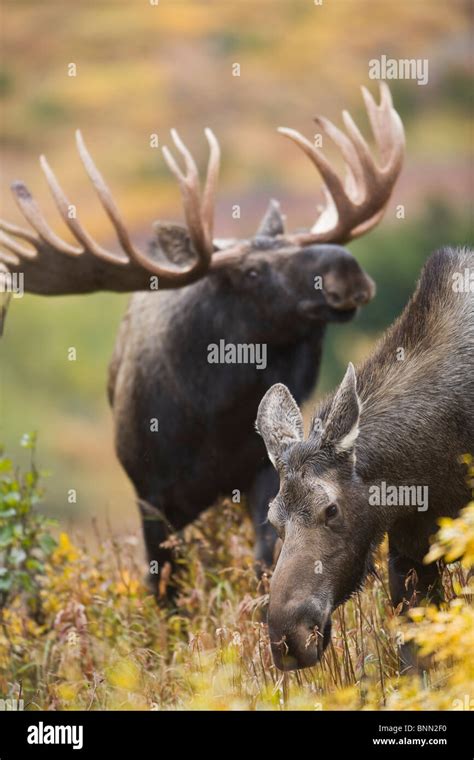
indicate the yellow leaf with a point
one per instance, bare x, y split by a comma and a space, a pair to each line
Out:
124, 675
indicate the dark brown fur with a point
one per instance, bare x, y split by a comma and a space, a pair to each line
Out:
399, 422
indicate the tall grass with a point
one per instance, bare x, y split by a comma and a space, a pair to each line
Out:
97, 640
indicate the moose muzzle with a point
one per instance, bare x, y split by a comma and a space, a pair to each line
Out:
299, 613
299, 636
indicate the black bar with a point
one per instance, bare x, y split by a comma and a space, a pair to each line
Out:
186, 734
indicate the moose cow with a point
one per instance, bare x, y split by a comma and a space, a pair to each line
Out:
185, 426
399, 424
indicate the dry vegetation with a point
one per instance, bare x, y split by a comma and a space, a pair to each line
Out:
84, 634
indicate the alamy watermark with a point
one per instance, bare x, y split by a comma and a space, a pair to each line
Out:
42, 733
384, 495
12, 282
11, 704
463, 282
237, 353
402, 68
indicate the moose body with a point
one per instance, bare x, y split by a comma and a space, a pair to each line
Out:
403, 419
206, 445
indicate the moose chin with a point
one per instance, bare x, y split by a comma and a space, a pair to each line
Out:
403, 422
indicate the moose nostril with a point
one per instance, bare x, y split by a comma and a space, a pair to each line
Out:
313, 627
334, 297
361, 297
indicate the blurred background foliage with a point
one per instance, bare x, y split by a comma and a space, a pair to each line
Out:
144, 68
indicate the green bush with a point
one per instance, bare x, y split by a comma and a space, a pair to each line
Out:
25, 538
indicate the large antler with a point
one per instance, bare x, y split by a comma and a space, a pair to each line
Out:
355, 206
53, 267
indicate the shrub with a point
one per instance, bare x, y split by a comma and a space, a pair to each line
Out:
25, 538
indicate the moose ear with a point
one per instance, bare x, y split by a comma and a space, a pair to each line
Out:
172, 244
279, 422
273, 222
342, 424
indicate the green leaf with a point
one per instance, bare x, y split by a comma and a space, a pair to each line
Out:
4, 513
5, 465
28, 440
26, 581
6, 535
6, 583
17, 555
47, 543
31, 478
12, 498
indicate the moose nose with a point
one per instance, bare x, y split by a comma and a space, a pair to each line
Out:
348, 301
298, 637
350, 298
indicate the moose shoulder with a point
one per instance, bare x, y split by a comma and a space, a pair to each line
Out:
382, 455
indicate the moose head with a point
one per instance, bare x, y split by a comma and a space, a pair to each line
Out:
322, 515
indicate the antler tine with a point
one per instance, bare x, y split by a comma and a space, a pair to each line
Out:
388, 132
379, 117
354, 208
21, 232
113, 213
386, 126
63, 205
198, 212
190, 191
210, 188
369, 167
15, 249
17, 252
33, 215
333, 183
354, 169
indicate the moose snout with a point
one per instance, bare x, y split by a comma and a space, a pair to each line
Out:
298, 635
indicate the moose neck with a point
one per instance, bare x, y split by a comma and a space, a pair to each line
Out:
413, 425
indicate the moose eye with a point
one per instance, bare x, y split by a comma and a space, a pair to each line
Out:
280, 530
331, 512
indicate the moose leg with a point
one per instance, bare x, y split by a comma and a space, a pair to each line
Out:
156, 530
264, 488
410, 582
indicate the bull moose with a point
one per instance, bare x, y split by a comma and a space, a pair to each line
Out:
400, 422
185, 426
